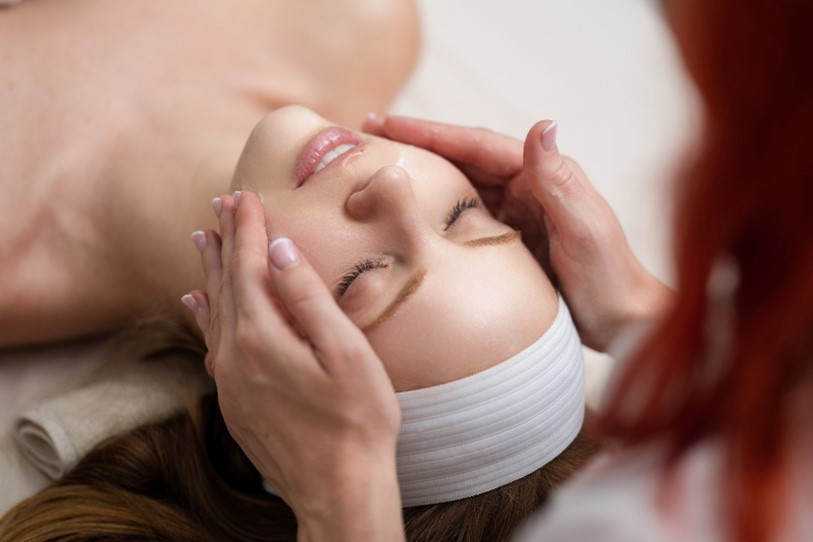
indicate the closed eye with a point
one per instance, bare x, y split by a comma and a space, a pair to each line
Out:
461, 206
356, 272
347, 280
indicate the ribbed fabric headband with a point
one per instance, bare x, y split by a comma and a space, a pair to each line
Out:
481, 432
475, 434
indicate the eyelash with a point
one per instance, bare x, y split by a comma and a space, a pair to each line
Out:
461, 206
358, 269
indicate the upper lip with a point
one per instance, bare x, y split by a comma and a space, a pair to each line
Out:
317, 147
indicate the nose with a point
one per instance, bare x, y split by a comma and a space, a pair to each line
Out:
388, 200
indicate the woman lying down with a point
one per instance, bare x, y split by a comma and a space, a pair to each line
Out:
474, 338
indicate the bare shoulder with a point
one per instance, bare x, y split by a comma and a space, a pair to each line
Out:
121, 120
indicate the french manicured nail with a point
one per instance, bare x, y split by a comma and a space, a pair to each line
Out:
217, 203
189, 301
199, 238
283, 253
236, 197
549, 136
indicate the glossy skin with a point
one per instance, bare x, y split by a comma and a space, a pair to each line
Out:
565, 222
316, 382
479, 296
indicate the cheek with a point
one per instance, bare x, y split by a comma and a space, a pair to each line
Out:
329, 241
319, 239
437, 186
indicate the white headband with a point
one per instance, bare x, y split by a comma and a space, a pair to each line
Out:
475, 434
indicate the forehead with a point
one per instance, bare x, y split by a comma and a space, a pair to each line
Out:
475, 308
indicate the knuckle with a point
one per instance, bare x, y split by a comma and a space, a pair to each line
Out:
244, 258
212, 326
304, 292
590, 233
247, 338
582, 234
574, 166
343, 349
562, 175
477, 139
432, 136
481, 134
225, 280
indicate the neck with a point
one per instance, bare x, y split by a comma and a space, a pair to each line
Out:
110, 236
164, 211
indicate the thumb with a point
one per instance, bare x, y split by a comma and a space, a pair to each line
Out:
557, 183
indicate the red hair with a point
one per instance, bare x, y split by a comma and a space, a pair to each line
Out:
748, 198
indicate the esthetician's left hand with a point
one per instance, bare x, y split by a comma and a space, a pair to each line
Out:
493, 163
299, 386
565, 223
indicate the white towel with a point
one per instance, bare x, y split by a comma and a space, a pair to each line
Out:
57, 433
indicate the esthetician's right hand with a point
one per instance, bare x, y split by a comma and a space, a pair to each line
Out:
565, 222
300, 388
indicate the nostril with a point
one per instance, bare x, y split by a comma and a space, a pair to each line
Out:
388, 185
358, 205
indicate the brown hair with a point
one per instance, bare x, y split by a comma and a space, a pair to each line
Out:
746, 200
185, 479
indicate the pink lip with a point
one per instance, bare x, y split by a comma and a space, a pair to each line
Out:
316, 149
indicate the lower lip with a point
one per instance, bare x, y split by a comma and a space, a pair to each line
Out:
318, 146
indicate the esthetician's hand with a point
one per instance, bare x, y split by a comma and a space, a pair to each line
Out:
300, 388
565, 222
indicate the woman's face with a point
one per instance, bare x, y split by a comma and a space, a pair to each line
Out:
441, 289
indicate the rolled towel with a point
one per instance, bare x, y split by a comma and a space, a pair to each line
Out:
56, 434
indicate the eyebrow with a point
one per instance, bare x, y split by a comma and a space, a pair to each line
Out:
409, 288
502, 239
414, 282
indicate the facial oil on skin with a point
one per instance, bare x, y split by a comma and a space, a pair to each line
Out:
403, 153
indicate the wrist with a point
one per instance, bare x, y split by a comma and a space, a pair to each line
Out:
652, 300
635, 303
647, 300
362, 503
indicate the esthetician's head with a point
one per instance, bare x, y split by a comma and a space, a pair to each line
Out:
441, 288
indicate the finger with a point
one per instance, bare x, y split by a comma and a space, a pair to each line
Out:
489, 151
250, 259
202, 310
198, 303
212, 267
482, 179
227, 231
309, 301
559, 186
209, 364
492, 198
374, 125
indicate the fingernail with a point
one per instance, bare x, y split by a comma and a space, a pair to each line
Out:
218, 206
236, 197
189, 301
549, 136
283, 253
199, 238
